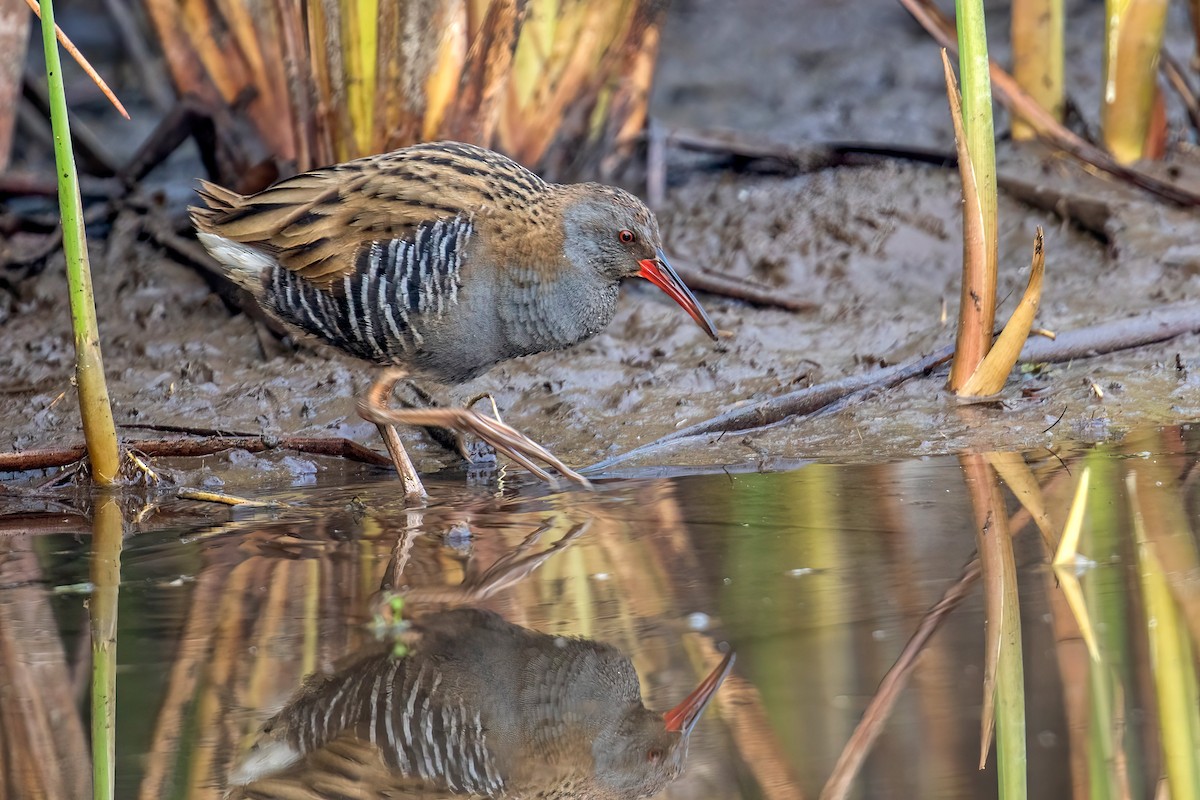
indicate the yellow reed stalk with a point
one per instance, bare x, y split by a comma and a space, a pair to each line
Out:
359, 39
1068, 545
441, 85
1133, 39
1037, 44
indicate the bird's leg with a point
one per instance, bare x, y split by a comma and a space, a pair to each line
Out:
504, 438
377, 395
481, 451
486, 396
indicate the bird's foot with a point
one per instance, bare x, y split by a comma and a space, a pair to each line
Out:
503, 437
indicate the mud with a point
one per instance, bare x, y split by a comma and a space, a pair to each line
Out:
877, 247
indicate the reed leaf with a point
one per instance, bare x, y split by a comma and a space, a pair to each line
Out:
990, 375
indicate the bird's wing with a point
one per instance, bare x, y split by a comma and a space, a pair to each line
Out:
317, 224
347, 768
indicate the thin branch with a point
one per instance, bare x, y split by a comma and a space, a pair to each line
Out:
73, 51
191, 448
738, 289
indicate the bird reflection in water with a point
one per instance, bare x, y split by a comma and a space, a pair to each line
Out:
476, 707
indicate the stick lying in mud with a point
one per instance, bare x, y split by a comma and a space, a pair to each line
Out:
1154, 326
739, 289
190, 448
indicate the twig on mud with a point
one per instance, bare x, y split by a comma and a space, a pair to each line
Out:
1154, 326
739, 289
191, 448
801, 402
1176, 76
880, 707
184, 429
795, 158
1088, 212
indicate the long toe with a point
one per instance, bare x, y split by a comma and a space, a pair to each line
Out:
503, 437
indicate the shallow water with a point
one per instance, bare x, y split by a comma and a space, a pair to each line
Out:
816, 577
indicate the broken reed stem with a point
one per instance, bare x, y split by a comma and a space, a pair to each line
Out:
977, 309
94, 408
1037, 44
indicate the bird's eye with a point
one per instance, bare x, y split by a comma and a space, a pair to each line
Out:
626, 237
654, 755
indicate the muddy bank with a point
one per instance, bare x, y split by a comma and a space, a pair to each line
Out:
877, 247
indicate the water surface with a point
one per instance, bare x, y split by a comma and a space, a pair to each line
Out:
816, 578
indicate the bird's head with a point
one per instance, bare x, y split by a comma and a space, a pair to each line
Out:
647, 750
611, 231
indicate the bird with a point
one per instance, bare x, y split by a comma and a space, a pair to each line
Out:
439, 260
477, 707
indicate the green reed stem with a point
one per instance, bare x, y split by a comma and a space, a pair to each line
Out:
94, 408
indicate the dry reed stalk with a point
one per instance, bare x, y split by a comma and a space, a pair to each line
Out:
977, 304
1133, 40
554, 83
14, 35
1037, 45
